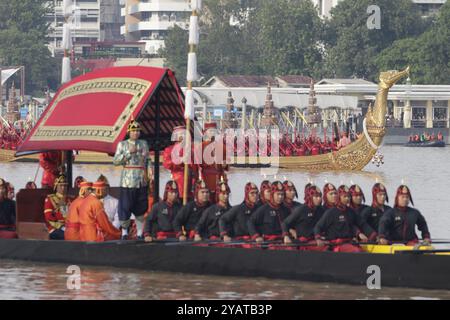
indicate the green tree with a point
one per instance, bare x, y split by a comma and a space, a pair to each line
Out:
25, 15
352, 47
224, 48
428, 55
227, 47
175, 52
289, 37
23, 39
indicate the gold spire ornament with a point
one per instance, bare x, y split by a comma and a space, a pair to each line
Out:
134, 126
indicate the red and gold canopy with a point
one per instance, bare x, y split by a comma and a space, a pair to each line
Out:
92, 111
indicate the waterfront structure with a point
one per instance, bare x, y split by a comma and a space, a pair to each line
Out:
109, 49
337, 99
236, 81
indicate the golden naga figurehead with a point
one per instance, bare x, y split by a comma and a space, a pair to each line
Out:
376, 115
389, 78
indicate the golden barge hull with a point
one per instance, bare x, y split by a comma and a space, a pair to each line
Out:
353, 157
83, 157
88, 157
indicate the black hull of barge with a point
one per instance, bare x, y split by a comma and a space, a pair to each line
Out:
397, 270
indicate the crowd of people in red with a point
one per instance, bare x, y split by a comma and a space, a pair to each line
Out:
289, 146
11, 137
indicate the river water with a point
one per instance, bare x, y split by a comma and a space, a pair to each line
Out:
26, 280
425, 171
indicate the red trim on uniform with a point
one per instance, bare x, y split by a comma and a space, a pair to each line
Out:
256, 235
162, 235
340, 240
7, 226
347, 247
4, 234
272, 237
243, 238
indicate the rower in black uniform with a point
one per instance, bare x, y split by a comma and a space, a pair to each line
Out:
265, 223
234, 223
398, 224
188, 217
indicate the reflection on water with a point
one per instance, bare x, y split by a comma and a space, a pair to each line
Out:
425, 171
26, 280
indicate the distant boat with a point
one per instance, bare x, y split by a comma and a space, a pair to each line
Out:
426, 144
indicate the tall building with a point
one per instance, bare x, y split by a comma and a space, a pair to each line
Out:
324, 7
428, 7
149, 20
95, 20
110, 20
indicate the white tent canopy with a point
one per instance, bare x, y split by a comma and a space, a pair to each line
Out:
8, 73
256, 97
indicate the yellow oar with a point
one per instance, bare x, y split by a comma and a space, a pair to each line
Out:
391, 249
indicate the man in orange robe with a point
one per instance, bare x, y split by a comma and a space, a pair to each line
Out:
72, 232
94, 222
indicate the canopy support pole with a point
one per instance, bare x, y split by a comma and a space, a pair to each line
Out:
157, 145
69, 167
1, 88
